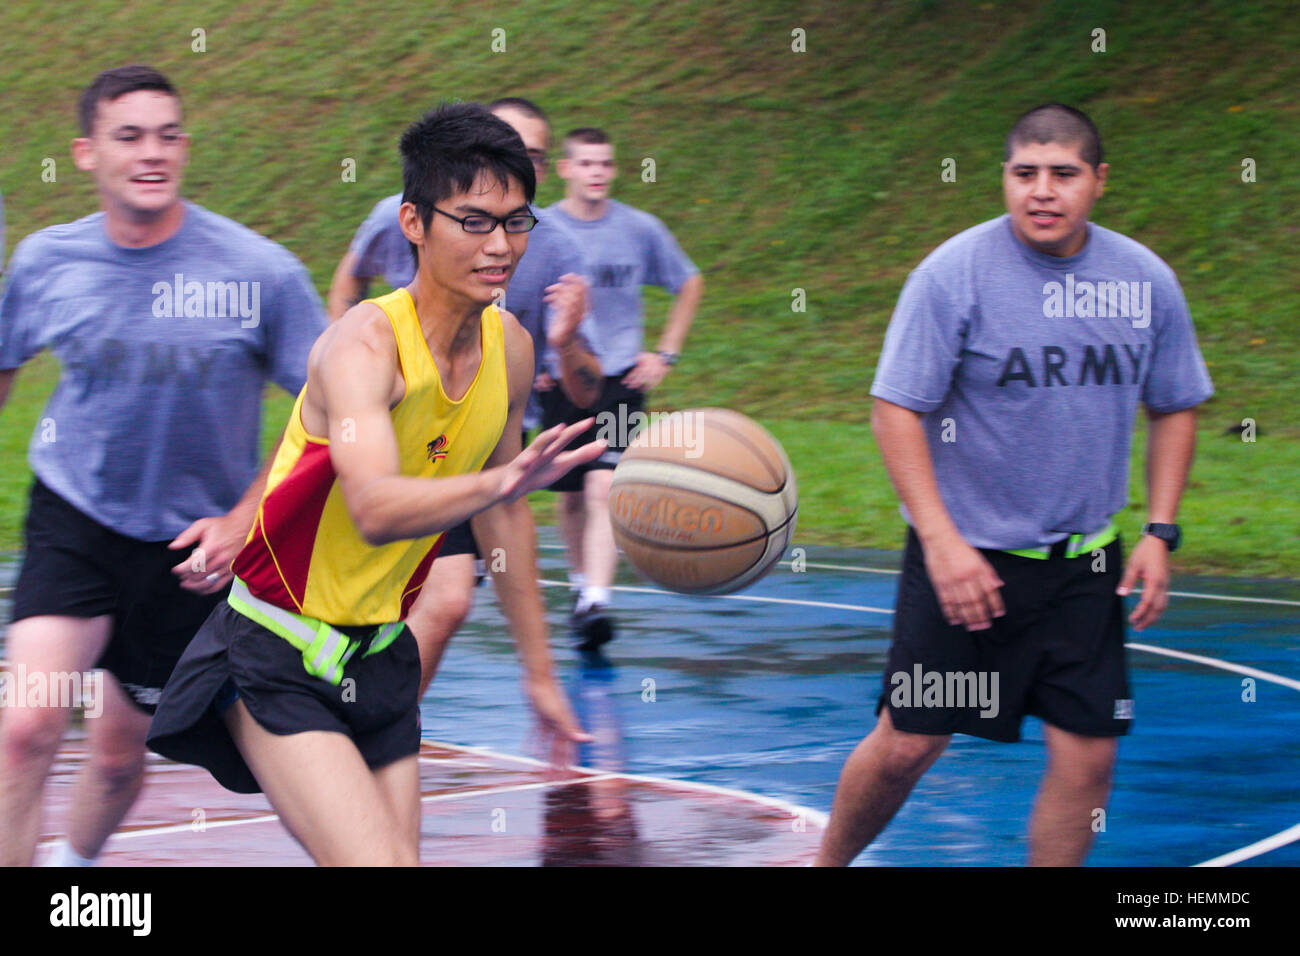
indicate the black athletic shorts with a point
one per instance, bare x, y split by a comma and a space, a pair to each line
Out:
1057, 654
618, 402
75, 567
233, 657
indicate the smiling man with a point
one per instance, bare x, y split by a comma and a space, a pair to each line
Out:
305, 684
167, 320
1005, 400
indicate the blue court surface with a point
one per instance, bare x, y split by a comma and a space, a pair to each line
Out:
769, 691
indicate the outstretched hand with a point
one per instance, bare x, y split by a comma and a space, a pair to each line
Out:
556, 722
544, 461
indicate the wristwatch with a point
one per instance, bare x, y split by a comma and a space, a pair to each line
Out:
669, 358
1170, 534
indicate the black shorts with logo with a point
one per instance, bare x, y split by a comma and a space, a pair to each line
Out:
1057, 653
617, 404
75, 567
376, 704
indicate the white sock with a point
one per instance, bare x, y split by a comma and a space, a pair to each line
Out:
64, 855
592, 595
577, 580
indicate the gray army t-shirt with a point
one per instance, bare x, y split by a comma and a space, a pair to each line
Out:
1029, 370
165, 353
626, 249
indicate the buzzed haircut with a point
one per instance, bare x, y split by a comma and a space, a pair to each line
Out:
1057, 123
585, 134
116, 82
527, 107
444, 151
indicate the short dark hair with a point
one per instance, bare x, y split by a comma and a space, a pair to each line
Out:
527, 107
1057, 123
590, 135
116, 82
445, 150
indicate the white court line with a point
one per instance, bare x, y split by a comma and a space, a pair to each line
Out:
1215, 662
734, 597
268, 817
1255, 849
816, 817
1289, 835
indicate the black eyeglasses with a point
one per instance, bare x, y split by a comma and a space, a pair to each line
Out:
539, 158
481, 225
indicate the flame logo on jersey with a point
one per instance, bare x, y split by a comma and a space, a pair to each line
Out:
438, 448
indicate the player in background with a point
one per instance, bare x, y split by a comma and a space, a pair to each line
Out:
626, 249
1005, 400
548, 297
305, 684
168, 320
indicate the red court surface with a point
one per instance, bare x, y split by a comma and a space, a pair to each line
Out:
480, 809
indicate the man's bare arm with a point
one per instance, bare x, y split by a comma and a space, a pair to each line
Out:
346, 289
650, 368
580, 373
7, 377
682, 314
964, 582
1171, 445
350, 389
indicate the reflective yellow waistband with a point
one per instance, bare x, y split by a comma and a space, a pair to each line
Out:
325, 649
1075, 544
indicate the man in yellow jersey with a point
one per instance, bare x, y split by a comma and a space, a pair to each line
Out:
304, 684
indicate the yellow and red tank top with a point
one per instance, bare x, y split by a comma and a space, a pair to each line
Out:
304, 553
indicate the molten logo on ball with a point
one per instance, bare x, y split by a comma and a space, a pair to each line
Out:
663, 517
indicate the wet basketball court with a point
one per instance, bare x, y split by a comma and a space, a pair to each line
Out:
722, 725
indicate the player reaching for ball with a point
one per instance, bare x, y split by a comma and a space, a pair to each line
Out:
548, 296
1005, 399
305, 684
626, 249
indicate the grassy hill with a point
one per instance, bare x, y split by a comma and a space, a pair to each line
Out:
777, 170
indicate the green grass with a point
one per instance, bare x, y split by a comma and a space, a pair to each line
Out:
775, 170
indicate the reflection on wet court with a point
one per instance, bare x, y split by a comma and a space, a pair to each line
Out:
721, 726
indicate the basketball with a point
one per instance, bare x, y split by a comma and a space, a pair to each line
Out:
703, 501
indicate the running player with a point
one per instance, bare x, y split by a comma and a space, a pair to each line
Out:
1005, 400
167, 320
626, 249
548, 298
305, 685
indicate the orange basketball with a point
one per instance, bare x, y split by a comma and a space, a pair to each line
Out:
703, 501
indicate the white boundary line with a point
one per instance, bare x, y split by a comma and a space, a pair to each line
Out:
1215, 662
546, 583
1289, 835
431, 798
1255, 849
816, 817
